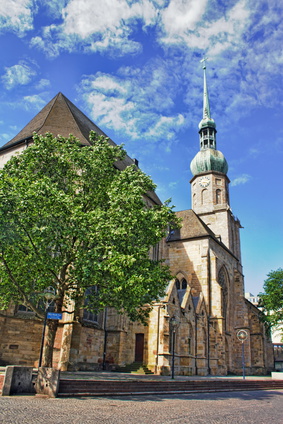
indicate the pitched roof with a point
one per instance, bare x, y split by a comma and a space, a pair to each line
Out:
192, 227
61, 117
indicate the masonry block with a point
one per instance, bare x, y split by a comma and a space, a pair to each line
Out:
17, 380
47, 382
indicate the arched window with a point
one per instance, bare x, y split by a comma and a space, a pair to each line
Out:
224, 283
184, 284
204, 195
177, 282
218, 197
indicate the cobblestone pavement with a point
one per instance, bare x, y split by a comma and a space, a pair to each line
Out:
260, 407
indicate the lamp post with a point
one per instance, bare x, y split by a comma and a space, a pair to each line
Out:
242, 335
49, 296
173, 324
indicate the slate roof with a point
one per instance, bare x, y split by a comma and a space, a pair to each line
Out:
61, 117
192, 227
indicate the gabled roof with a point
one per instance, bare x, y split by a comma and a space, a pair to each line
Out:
61, 117
192, 227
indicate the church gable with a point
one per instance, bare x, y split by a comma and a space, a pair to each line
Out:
60, 117
192, 227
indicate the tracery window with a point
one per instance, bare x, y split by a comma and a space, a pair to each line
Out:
181, 285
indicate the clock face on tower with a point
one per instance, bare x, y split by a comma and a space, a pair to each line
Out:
204, 182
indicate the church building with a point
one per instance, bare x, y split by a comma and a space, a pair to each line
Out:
195, 327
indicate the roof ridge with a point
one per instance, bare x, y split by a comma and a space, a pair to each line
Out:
53, 101
67, 101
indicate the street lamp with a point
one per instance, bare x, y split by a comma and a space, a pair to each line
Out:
173, 323
242, 335
49, 296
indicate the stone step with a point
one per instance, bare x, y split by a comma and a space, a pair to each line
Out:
135, 368
100, 388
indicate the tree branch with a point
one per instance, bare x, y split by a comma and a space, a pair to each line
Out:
26, 300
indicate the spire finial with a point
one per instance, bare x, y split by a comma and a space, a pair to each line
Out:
206, 107
203, 62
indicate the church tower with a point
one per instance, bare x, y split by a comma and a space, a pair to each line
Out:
210, 184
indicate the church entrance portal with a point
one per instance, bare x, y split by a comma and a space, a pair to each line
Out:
139, 347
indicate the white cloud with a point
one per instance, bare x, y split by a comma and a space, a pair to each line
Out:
86, 17
16, 16
42, 84
20, 74
94, 26
243, 42
55, 7
138, 103
185, 22
182, 16
5, 137
33, 101
242, 179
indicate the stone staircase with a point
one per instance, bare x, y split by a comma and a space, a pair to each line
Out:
82, 387
149, 385
134, 368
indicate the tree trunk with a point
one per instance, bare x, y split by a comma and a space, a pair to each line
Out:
51, 329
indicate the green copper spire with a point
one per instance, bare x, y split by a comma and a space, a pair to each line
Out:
208, 158
207, 121
206, 107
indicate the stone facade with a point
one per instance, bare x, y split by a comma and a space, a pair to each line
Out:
206, 296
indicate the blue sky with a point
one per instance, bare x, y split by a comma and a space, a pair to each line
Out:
133, 66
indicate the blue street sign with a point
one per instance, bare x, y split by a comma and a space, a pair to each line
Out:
54, 315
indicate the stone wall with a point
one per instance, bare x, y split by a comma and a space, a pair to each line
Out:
19, 341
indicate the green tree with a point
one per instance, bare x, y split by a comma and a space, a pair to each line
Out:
272, 298
71, 220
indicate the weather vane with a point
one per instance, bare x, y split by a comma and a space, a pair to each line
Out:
203, 62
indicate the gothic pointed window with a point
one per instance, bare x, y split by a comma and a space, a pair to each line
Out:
224, 283
177, 282
184, 284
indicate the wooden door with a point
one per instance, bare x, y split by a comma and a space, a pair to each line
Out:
139, 347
